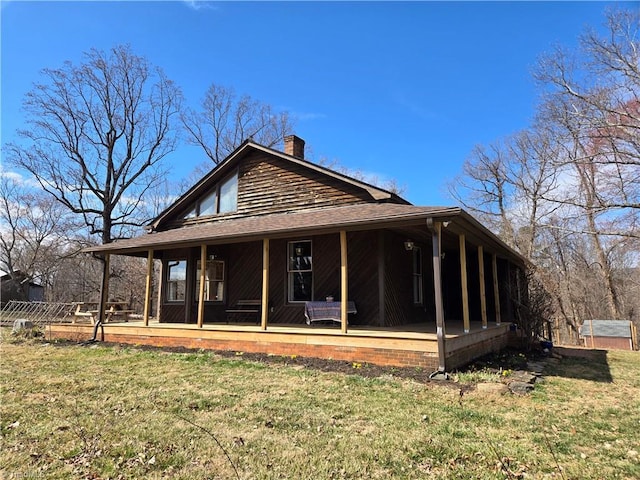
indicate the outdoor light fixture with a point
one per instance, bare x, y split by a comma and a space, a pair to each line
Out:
408, 245
212, 256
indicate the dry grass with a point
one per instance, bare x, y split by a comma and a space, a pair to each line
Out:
109, 412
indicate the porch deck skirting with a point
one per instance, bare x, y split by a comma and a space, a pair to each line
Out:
379, 347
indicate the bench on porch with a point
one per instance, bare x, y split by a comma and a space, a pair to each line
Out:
243, 309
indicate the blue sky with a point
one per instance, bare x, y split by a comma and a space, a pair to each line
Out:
402, 90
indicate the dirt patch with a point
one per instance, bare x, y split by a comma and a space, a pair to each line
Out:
509, 359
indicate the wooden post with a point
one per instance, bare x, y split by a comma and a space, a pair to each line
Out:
483, 293
104, 289
496, 291
436, 232
463, 281
593, 345
148, 284
161, 289
265, 284
381, 279
203, 276
344, 290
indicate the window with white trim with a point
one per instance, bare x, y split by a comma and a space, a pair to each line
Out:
176, 280
300, 271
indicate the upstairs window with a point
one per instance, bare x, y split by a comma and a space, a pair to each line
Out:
223, 198
229, 195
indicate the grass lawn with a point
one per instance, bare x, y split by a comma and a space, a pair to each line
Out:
101, 411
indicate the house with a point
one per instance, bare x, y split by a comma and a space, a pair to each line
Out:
278, 236
608, 334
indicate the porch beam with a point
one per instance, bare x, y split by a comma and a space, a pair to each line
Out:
463, 282
483, 293
496, 291
203, 276
436, 241
344, 275
147, 291
265, 284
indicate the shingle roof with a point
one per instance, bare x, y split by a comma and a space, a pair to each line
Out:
243, 229
606, 328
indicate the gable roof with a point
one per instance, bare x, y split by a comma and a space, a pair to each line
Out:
227, 166
606, 328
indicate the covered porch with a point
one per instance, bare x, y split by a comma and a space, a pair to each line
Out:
427, 284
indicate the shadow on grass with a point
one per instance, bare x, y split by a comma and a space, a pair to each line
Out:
581, 363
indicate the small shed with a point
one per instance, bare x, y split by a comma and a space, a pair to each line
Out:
19, 287
608, 334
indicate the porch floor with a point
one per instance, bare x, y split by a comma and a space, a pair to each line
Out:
453, 328
407, 345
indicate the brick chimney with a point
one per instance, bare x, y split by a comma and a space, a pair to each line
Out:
294, 146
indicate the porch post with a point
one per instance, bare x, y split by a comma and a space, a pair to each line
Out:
147, 294
436, 234
161, 289
203, 276
381, 280
463, 281
483, 293
104, 289
496, 291
265, 284
343, 281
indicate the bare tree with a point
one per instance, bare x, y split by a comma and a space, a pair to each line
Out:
566, 192
225, 120
33, 227
97, 135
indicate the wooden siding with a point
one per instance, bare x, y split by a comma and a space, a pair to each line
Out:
173, 313
268, 184
362, 253
400, 309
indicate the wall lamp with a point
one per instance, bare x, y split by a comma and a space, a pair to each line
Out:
408, 245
